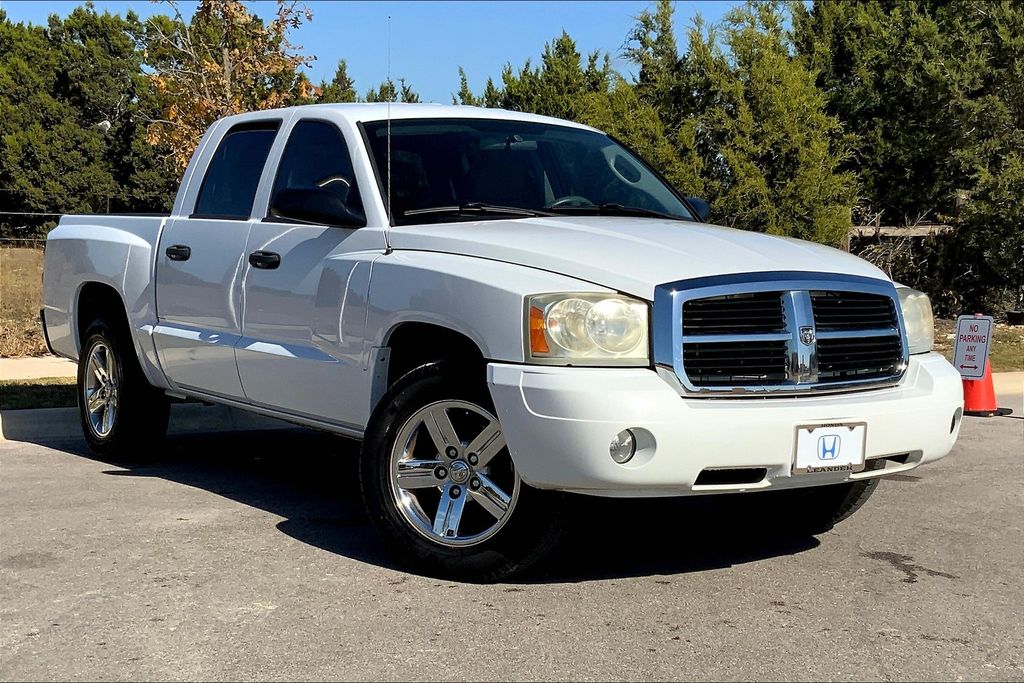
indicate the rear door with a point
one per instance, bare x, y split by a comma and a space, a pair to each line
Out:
200, 264
305, 289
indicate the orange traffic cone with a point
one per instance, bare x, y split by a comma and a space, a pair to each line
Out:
980, 396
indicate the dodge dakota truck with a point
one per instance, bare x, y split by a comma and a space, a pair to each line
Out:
503, 308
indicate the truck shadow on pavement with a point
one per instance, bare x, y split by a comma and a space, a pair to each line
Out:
310, 479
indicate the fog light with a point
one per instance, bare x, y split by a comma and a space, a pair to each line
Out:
957, 414
622, 447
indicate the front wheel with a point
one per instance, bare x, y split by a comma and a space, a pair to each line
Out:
441, 487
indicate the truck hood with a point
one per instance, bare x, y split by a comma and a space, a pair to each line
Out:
631, 255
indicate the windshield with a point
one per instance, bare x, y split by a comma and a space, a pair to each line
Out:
473, 169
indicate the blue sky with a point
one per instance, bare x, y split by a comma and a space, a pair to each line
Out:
429, 40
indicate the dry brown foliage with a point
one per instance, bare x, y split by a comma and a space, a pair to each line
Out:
225, 61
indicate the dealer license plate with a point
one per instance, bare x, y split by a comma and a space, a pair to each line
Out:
831, 447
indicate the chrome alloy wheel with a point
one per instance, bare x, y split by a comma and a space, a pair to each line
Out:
452, 477
100, 389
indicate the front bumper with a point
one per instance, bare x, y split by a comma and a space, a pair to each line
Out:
559, 421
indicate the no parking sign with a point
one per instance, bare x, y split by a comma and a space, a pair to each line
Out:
973, 334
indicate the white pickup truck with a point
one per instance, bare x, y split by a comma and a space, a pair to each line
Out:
502, 307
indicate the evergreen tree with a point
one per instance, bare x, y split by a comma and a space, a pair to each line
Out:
934, 93
389, 92
73, 107
492, 95
342, 87
556, 86
748, 122
651, 45
465, 95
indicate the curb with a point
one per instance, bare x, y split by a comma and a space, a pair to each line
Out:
36, 367
1011, 383
60, 424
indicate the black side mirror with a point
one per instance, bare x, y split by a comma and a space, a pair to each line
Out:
702, 208
315, 205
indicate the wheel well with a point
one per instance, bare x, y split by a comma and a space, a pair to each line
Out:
98, 300
414, 344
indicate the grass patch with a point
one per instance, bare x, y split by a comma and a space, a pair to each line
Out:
21, 297
1006, 350
49, 392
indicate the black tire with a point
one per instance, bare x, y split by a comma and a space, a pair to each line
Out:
818, 509
139, 421
532, 528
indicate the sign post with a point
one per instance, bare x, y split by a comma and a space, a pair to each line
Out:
970, 358
970, 351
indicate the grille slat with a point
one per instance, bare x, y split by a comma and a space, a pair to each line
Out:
744, 313
852, 311
725, 363
858, 358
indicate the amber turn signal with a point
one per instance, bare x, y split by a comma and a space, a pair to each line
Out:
538, 343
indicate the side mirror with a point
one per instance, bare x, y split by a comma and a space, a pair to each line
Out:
315, 205
702, 208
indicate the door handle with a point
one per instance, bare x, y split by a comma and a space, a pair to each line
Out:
178, 252
267, 260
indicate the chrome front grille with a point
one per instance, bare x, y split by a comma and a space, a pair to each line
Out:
768, 333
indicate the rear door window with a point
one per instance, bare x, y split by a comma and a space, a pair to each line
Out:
229, 188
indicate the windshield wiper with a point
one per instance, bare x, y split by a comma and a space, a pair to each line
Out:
611, 209
477, 208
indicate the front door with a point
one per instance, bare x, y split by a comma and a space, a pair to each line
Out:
305, 290
200, 266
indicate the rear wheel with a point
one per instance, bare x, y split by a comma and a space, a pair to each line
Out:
441, 486
121, 413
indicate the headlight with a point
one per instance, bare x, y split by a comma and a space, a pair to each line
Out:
586, 329
917, 318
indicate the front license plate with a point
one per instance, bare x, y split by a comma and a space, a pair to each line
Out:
831, 447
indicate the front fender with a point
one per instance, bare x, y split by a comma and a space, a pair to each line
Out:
479, 298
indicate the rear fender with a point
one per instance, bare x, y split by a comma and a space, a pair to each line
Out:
118, 254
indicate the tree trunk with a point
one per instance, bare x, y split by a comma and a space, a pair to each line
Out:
227, 76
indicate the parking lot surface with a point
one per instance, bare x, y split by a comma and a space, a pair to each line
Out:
239, 556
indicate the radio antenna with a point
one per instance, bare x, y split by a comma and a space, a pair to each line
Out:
391, 221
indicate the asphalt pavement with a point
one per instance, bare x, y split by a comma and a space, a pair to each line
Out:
247, 556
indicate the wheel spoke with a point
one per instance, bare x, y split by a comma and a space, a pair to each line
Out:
442, 433
108, 417
487, 444
109, 368
98, 366
449, 513
93, 400
418, 474
491, 497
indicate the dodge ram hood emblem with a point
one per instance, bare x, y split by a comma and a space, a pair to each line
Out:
807, 335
